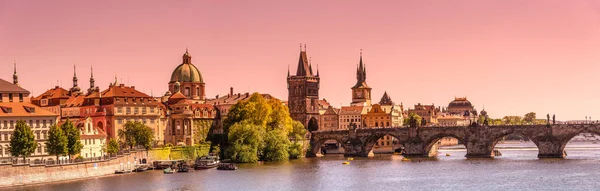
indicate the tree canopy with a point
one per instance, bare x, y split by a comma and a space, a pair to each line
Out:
57, 143
112, 146
73, 134
261, 129
22, 142
136, 134
414, 116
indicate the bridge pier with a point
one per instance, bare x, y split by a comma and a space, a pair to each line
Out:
356, 150
415, 150
551, 149
479, 149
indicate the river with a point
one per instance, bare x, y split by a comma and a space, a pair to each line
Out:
517, 169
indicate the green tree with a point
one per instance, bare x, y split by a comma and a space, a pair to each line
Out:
276, 146
297, 135
57, 143
112, 147
201, 130
73, 134
529, 117
245, 140
22, 142
413, 116
255, 110
136, 134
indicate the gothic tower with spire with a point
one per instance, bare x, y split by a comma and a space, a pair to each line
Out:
361, 92
303, 93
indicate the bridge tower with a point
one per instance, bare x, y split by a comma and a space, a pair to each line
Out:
303, 93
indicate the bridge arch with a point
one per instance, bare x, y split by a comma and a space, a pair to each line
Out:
317, 143
594, 130
497, 139
372, 140
430, 142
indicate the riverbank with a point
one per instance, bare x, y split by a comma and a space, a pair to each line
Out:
20, 175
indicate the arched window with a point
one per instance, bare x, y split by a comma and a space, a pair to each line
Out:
89, 128
376, 124
198, 91
1, 150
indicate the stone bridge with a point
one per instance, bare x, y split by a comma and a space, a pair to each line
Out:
479, 140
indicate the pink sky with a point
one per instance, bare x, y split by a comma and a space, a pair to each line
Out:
511, 56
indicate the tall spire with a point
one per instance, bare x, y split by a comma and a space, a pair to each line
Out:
361, 73
317, 69
92, 78
74, 76
288, 71
303, 65
75, 88
15, 76
309, 64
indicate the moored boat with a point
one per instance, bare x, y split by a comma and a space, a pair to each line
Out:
168, 170
141, 168
183, 167
122, 171
227, 166
206, 162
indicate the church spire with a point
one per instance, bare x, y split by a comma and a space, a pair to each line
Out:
92, 78
75, 88
288, 71
15, 76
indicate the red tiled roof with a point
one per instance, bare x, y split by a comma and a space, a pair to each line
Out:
56, 92
75, 101
21, 109
7, 87
123, 91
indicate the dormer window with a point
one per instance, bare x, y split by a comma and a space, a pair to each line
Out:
20, 97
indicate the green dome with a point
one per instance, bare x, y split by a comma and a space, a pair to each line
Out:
186, 72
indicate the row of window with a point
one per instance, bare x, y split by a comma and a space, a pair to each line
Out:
145, 121
5, 151
10, 124
136, 110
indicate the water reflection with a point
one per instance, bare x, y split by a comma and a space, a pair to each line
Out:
517, 169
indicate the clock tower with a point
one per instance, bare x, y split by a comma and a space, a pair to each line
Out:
303, 93
361, 92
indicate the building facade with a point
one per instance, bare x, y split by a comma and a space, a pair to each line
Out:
329, 119
351, 115
15, 106
303, 94
92, 138
427, 112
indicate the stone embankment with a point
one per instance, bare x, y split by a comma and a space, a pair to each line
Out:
26, 174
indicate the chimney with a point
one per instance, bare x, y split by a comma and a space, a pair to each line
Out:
217, 97
231, 91
133, 87
238, 95
121, 85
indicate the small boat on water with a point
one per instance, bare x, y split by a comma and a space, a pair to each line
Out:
168, 170
183, 167
141, 168
122, 171
227, 166
206, 162
447, 154
346, 162
405, 159
350, 158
